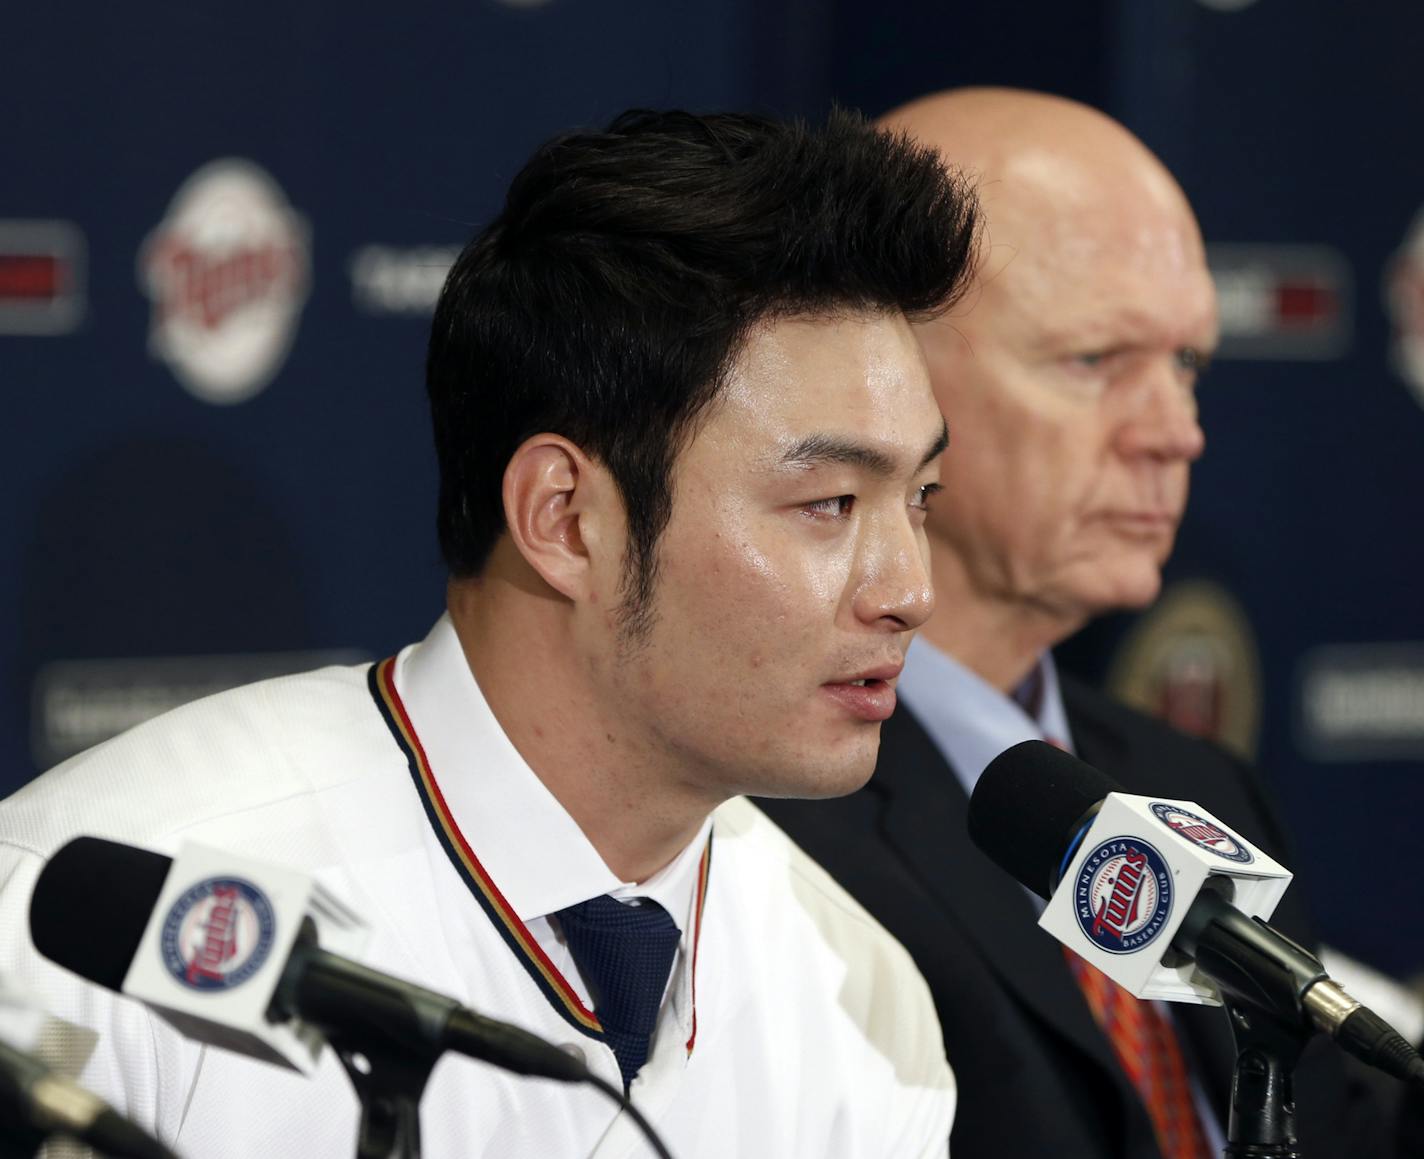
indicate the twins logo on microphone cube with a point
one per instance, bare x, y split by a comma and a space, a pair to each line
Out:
214, 949
1131, 880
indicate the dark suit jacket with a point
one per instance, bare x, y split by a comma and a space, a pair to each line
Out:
1036, 1075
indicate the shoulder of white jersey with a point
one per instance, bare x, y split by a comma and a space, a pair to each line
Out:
877, 984
231, 752
740, 820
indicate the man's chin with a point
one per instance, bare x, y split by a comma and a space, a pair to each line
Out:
1127, 588
832, 779
1140, 594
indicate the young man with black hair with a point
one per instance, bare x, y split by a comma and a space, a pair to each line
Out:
686, 441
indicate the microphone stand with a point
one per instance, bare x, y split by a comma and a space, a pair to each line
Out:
1262, 1122
1264, 999
388, 1042
389, 1082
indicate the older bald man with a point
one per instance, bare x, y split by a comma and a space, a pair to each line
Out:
1068, 381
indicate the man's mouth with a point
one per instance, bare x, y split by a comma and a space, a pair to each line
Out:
876, 674
1142, 522
868, 697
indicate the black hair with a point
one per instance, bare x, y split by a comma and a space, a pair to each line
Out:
616, 287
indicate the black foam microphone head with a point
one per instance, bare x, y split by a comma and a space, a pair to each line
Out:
91, 904
1028, 805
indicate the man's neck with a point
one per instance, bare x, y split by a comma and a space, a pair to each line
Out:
994, 634
622, 798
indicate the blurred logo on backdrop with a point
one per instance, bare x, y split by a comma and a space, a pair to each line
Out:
1282, 302
75, 704
228, 270
401, 280
41, 277
1192, 662
1404, 299
1361, 702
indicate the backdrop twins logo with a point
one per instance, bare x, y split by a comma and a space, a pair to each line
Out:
1404, 296
228, 269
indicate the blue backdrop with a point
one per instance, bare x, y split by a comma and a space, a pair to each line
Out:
220, 235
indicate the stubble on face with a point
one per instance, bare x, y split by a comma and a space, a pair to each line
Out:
775, 578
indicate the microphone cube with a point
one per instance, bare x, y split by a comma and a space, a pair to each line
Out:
1132, 878
215, 947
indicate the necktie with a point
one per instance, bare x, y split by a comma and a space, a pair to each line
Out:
624, 953
1147, 1049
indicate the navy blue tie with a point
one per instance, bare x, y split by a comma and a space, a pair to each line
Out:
624, 953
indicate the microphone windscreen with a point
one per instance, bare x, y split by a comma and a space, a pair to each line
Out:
91, 904
1027, 806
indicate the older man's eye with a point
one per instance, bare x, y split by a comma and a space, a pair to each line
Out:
1192, 360
833, 508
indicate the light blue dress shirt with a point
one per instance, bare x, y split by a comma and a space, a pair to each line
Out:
971, 721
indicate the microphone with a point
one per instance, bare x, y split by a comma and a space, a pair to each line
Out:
335, 995
1129, 863
39, 1055
36, 1102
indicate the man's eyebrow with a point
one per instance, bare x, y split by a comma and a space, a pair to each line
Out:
1127, 327
820, 449
937, 448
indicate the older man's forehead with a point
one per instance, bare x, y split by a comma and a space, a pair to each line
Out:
1103, 322
1114, 282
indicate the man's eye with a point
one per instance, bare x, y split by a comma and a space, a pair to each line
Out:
1090, 359
835, 508
922, 496
1192, 360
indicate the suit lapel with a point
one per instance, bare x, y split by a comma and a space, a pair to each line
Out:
925, 821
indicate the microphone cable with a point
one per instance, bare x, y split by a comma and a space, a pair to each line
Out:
636, 1115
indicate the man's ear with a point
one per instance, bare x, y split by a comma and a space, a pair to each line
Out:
557, 510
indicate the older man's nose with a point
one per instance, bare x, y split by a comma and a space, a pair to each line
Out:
1161, 419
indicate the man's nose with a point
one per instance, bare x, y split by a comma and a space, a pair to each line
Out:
894, 587
1160, 418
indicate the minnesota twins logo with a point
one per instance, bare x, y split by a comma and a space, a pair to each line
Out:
218, 934
1200, 831
1123, 895
228, 270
